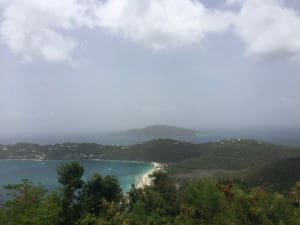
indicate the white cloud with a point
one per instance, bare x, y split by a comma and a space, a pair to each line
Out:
268, 29
42, 29
36, 28
161, 23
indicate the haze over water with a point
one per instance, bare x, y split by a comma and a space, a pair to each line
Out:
204, 64
289, 137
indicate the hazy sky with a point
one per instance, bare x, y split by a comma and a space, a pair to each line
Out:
92, 65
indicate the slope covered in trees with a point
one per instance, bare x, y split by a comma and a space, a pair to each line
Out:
98, 201
279, 175
160, 150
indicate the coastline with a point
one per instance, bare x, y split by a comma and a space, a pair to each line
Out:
146, 179
125, 180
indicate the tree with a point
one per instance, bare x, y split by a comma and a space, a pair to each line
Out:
69, 175
296, 193
111, 189
28, 204
98, 189
205, 199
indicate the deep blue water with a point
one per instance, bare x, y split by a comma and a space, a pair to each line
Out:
44, 172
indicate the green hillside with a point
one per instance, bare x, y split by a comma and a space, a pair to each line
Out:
161, 150
279, 175
232, 155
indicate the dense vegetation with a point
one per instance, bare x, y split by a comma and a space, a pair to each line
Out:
236, 153
231, 157
99, 201
279, 175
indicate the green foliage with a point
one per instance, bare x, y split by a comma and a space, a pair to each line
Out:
98, 189
83, 201
262, 207
226, 157
99, 201
29, 205
205, 199
296, 193
88, 219
280, 175
69, 175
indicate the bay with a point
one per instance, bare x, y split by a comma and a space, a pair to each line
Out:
44, 172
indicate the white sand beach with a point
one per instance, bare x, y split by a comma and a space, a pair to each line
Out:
146, 180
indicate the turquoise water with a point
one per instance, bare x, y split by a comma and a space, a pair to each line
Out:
44, 172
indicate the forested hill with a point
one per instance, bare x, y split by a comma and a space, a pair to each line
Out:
161, 131
279, 175
172, 151
258, 161
233, 154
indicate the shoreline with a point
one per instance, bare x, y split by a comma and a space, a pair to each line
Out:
146, 180
143, 180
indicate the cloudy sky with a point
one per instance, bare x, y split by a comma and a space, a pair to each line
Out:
95, 65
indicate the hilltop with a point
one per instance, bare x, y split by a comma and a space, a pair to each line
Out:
161, 131
228, 154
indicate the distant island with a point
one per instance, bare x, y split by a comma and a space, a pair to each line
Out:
161, 131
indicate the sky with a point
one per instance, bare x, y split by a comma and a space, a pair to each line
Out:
103, 65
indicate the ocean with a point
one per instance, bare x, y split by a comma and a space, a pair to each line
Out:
44, 172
